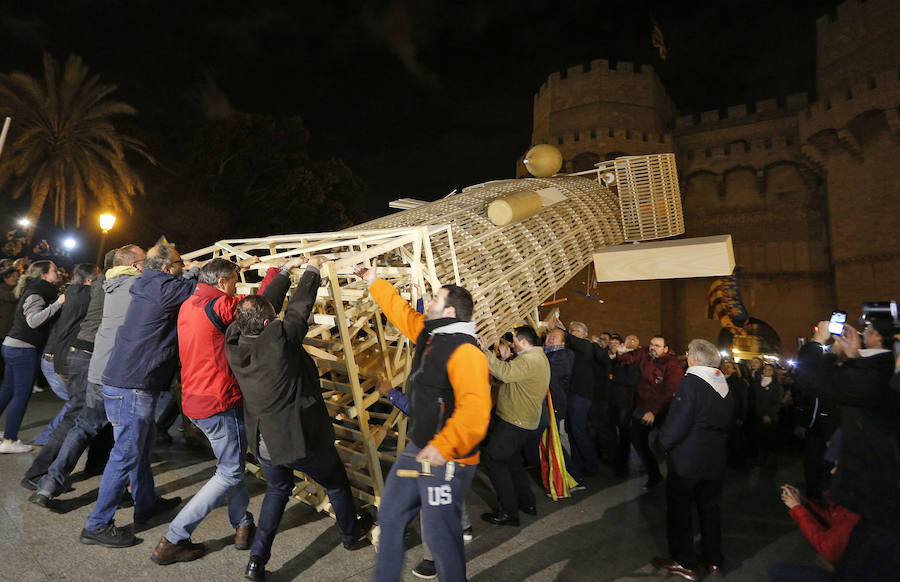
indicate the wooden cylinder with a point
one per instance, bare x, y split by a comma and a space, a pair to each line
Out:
514, 207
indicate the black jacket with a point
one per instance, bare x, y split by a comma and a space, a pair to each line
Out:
621, 386
8, 303
695, 433
561, 363
583, 372
65, 328
91, 322
20, 329
280, 382
868, 477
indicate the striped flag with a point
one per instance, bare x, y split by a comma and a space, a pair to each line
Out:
557, 480
725, 303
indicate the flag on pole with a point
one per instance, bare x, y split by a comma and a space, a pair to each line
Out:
725, 303
656, 37
557, 480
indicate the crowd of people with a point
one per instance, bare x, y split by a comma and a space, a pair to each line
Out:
120, 336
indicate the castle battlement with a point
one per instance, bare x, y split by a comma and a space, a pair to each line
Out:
597, 68
604, 134
881, 91
743, 150
793, 102
848, 13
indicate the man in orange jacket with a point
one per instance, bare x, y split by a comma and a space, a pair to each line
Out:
450, 406
212, 400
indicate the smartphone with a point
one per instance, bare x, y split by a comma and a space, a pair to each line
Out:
836, 323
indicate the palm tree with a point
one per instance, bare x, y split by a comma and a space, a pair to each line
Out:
63, 144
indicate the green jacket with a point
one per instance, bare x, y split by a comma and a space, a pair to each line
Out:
526, 379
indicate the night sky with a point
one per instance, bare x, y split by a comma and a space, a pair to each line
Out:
417, 97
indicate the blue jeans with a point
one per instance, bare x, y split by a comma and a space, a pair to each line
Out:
59, 388
228, 438
131, 414
18, 379
326, 469
89, 422
440, 500
584, 453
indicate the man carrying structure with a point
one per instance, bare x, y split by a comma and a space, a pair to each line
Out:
286, 420
526, 380
450, 408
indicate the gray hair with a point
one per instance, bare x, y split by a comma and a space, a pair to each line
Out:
216, 269
579, 326
704, 353
160, 256
126, 255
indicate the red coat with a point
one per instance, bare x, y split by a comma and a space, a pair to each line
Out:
207, 384
829, 541
657, 380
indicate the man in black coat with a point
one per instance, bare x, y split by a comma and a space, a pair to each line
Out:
868, 481
288, 427
695, 437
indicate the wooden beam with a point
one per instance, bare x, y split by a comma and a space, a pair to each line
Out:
708, 256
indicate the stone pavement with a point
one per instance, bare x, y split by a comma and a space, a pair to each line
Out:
609, 532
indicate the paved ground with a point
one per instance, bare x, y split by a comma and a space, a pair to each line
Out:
609, 532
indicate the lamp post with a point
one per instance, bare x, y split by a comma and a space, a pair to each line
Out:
106, 223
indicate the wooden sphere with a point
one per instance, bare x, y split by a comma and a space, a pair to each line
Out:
543, 161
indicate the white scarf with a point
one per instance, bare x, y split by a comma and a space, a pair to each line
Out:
766, 380
711, 376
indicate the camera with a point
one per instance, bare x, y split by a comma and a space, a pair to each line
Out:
881, 310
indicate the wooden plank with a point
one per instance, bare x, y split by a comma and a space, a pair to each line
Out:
709, 256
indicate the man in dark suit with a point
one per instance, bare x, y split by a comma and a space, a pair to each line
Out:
695, 437
288, 427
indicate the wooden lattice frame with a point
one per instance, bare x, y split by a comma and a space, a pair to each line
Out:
509, 270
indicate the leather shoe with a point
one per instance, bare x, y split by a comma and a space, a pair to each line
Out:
243, 536
364, 524
716, 571
255, 569
670, 566
500, 518
184, 551
530, 510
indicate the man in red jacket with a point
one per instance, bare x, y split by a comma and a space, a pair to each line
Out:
659, 375
212, 400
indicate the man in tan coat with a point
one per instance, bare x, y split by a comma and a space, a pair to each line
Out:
517, 413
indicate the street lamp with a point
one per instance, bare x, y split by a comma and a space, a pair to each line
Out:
107, 221
24, 222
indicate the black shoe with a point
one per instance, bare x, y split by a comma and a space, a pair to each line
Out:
653, 482
255, 569
364, 524
30, 484
425, 570
161, 506
529, 509
40, 498
108, 536
500, 518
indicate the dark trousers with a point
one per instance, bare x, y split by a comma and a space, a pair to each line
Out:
18, 380
440, 499
77, 364
604, 429
502, 460
533, 451
584, 453
784, 572
640, 440
325, 468
620, 420
872, 553
814, 463
681, 495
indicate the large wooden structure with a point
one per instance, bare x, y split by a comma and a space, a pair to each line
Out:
509, 270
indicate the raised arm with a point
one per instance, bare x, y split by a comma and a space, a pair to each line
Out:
296, 317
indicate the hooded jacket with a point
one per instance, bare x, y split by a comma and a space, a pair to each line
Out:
35, 313
145, 354
695, 433
116, 299
463, 368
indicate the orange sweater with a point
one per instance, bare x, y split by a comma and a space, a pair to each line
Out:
467, 369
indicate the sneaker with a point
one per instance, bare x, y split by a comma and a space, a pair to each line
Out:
162, 505
243, 536
467, 534
425, 570
36, 389
14, 447
108, 536
184, 551
579, 487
